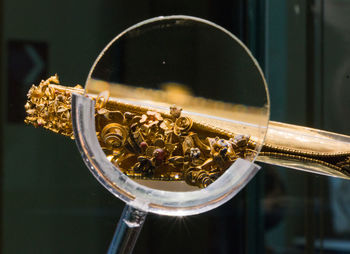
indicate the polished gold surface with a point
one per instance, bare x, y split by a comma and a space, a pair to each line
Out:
167, 145
307, 149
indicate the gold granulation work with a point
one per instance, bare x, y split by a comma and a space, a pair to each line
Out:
145, 145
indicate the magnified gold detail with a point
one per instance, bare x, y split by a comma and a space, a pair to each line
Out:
146, 144
150, 145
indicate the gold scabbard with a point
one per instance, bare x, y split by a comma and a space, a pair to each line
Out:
166, 145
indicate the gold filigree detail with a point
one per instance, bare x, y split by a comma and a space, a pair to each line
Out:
143, 144
165, 145
50, 108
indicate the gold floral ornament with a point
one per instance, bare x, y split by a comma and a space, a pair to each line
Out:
171, 146
142, 144
166, 147
50, 108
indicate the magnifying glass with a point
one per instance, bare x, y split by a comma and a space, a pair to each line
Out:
174, 113
181, 111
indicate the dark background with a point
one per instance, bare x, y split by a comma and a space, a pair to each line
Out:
50, 203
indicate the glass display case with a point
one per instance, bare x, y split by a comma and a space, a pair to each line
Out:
50, 203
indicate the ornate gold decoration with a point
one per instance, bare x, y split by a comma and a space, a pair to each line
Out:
152, 146
50, 107
171, 146
146, 145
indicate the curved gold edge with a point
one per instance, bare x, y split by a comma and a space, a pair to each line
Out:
304, 164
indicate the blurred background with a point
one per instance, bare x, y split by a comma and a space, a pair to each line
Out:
50, 203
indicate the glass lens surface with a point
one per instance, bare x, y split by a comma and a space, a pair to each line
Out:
178, 100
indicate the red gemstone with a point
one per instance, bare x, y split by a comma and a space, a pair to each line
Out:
159, 154
143, 145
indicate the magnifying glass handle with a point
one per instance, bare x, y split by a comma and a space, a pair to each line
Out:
127, 231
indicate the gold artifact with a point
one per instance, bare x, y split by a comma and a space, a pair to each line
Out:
147, 144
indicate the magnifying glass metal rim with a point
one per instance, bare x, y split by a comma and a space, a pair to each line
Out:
137, 195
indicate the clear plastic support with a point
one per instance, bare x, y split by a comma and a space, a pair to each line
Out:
127, 231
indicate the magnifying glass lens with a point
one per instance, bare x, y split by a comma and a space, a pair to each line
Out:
178, 101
